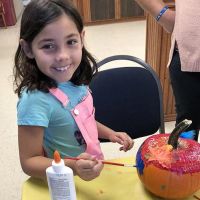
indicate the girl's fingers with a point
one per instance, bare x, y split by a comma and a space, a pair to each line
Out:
91, 173
127, 145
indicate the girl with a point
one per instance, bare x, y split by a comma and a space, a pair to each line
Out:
55, 109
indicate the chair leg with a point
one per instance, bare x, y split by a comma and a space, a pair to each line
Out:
4, 20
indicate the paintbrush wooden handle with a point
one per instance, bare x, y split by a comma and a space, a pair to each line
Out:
104, 162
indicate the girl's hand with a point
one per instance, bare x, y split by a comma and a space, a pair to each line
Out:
88, 167
122, 138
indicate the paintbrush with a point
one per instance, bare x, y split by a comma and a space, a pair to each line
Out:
105, 162
196, 197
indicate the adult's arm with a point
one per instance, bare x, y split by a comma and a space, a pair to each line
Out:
153, 7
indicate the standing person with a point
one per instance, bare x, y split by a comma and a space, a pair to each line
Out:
55, 109
184, 58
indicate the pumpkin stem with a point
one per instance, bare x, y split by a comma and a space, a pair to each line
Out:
173, 138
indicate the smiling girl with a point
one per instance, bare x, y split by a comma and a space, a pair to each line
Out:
55, 108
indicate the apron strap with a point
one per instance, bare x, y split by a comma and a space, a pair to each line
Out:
92, 143
61, 96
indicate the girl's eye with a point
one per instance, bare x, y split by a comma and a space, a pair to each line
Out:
48, 46
72, 42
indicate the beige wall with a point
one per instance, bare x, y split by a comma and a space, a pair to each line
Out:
18, 7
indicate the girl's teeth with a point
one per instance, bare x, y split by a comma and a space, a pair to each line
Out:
61, 68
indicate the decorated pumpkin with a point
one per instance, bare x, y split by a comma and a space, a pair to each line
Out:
169, 166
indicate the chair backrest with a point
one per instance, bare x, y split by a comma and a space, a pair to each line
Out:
128, 98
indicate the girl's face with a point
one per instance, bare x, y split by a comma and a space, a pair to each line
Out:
57, 49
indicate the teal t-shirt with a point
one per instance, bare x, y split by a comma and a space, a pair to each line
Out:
61, 133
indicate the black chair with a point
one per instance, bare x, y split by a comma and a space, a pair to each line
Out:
128, 98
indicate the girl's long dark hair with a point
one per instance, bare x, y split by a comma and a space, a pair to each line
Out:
36, 16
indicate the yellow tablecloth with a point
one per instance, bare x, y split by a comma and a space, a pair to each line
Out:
114, 183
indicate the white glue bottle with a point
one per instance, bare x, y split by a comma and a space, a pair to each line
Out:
60, 180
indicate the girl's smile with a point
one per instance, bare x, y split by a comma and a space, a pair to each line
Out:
62, 69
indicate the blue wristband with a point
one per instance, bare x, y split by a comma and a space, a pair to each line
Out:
161, 13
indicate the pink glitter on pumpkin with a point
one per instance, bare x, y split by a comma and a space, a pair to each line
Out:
184, 159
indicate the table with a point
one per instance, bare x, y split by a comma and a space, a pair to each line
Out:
114, 183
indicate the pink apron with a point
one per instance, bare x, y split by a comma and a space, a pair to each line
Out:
83, 114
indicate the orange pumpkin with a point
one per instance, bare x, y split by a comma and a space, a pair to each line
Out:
169, 166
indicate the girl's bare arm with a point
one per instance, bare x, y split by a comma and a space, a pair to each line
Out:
32, 159
117, 137
34, 163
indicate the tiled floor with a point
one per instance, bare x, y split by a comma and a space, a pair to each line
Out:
102, 41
